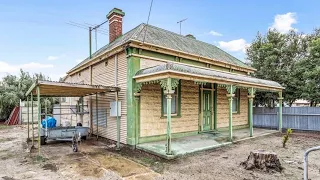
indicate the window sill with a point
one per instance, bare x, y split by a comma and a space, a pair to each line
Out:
172, 116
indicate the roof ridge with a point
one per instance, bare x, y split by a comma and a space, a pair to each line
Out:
182, 36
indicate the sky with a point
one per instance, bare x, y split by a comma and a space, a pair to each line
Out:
35, 35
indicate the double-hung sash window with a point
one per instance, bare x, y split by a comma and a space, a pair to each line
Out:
236, 102
175, 102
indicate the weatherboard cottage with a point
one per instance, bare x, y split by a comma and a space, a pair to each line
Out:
172, 86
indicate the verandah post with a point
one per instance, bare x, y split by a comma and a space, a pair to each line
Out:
231, 89
251, 96
168, 96
215, 106
280, 110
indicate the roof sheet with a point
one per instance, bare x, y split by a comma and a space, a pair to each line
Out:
168, 39
207, 72
64, 89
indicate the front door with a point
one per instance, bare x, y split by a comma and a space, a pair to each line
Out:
207, 108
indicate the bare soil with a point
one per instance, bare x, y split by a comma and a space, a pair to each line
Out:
100, 160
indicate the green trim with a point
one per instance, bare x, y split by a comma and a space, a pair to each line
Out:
207, 128
215, 105
163, 136
133, 65
179, 103
280, 110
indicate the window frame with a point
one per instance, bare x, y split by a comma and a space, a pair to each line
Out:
178, 101
237, 95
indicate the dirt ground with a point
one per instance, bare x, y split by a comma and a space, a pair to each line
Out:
99, 160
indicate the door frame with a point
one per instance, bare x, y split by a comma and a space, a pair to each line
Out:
200, 122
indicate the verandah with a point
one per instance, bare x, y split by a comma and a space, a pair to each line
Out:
168, 76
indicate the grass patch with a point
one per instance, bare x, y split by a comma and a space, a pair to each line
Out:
39, 158
4, 127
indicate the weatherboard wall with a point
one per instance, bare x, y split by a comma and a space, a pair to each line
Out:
103, 73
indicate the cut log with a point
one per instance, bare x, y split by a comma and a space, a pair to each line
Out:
262, 160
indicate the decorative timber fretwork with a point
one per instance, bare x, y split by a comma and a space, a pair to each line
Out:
139, 85
222, 85
240, 87
231, 88
174, 83
252, 91
200, 83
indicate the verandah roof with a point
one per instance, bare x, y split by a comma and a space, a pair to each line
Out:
64, 89
182, 71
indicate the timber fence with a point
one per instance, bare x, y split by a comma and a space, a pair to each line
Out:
298, 118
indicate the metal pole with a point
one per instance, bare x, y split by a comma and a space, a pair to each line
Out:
169, 89
32, 119
118, 121
39, 118
28, 118
90, 43
305, 163
97, 115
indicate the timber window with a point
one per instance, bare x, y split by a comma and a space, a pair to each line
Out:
236, 102
175, 102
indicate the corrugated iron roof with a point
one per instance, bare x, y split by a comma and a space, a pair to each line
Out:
207, 72
168, 39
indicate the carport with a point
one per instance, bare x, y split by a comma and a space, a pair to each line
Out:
43, 89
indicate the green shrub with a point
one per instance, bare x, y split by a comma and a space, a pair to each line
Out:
286, 137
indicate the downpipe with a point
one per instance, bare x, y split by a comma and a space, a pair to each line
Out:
305, 163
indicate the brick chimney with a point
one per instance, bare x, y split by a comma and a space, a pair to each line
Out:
115, 23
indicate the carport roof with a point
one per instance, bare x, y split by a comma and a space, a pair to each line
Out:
64, 89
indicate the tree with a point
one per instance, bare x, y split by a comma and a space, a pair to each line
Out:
309, 70
275, 55
13, 88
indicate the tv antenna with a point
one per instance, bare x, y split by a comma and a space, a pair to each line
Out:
179, 22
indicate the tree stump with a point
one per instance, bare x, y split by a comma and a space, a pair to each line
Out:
263, 160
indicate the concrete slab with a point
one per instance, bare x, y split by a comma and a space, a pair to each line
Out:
199, 142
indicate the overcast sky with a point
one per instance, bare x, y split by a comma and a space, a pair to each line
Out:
35, 36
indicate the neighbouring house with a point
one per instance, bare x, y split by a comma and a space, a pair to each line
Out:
301, 103
172, 86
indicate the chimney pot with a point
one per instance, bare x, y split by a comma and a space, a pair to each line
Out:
115, 23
